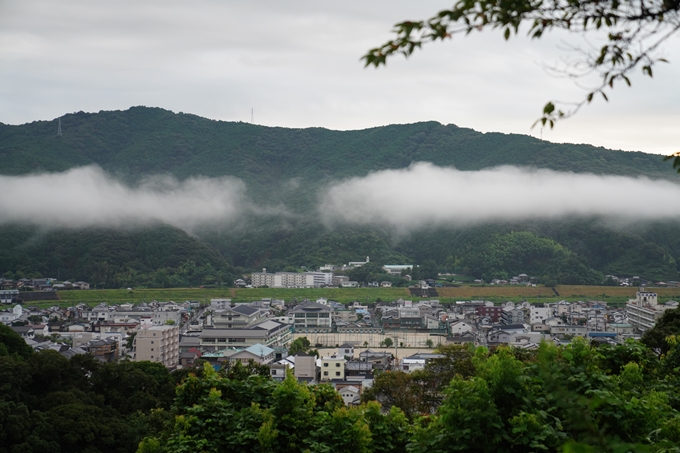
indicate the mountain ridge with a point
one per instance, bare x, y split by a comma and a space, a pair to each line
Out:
142, 141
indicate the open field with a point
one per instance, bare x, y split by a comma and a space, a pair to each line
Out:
497, 294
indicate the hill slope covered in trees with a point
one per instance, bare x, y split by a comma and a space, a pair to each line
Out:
289, 167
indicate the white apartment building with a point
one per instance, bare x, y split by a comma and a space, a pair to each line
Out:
291, 279
538, 315
158, 344
644, 311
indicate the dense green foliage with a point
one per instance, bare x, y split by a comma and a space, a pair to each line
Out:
291, 166
579, 397
575, 398
667, 326
511, 254
51, 404
158, 256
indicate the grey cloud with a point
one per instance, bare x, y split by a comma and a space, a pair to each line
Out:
297, 63
426, 195
87, 196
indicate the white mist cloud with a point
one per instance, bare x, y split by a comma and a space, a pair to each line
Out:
87, 196
426, 195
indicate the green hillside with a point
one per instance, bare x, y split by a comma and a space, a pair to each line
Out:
143, 141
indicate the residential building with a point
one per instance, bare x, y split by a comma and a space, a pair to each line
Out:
644, 311
418, 361
333, 368
291, 279
259, 279
9, 296
258, 353
561, 331
538, 314
346, 350
105, 350
305, 368
158, 344
511, 315
494, 313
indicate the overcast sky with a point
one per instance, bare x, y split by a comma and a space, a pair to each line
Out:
296, 63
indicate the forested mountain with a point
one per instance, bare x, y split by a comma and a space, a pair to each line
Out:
289, 167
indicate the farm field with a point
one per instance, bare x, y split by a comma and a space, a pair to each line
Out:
497, 294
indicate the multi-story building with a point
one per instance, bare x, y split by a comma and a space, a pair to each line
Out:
158, 344
538, 314
397, 269
490, 311
644, 311
238, 317
291, 279
511, 315
259, 279
333, 368
305, 368
312, 317
268, 332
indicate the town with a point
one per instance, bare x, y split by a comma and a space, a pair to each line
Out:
351, 342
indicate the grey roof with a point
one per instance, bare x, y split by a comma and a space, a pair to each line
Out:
260, 330
424, 356
22, 329
259, 350
311, 306
245, 310
357, 365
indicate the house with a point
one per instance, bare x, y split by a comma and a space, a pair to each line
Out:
278, 370
7, 316
386, 284
350, 395
358, 368
346, 350
460, 327
381, 360
258, 353
349, 284
26, 332
189, 358
462, 338
81, 285
418, 361
103, 350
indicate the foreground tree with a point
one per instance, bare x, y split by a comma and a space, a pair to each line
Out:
631, 31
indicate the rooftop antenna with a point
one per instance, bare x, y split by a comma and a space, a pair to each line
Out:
252, 116
59, 128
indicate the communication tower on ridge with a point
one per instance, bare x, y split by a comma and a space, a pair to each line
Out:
252, 116
59, 128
